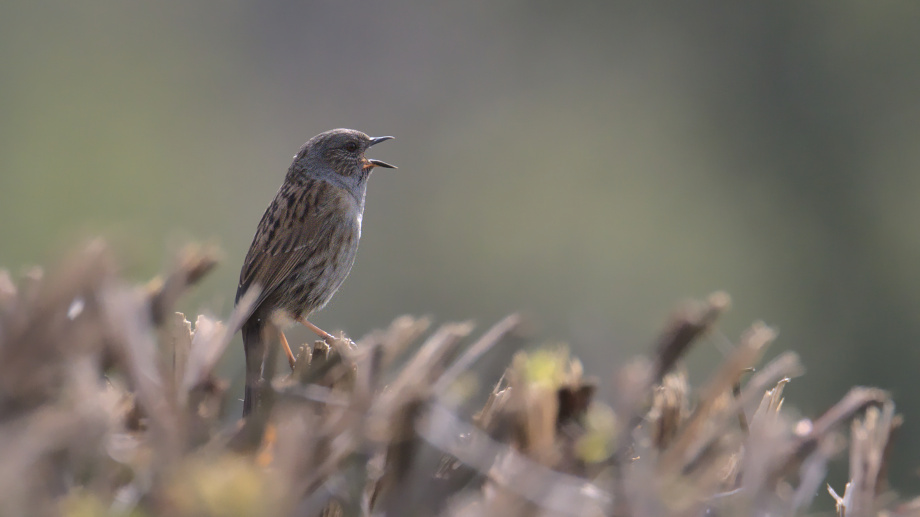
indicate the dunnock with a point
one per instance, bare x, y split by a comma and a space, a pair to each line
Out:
306, 242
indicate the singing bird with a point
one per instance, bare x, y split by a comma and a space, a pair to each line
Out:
305, 244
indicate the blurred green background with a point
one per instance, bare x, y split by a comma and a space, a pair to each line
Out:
589, 163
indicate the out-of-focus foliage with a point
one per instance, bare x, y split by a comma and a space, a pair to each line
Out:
110, 405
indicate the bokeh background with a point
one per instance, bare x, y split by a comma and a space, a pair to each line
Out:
589, 163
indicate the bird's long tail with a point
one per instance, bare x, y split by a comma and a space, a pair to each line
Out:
254, 346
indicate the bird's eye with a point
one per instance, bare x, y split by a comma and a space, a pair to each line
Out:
351, 147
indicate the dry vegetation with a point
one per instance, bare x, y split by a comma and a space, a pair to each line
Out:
109, 405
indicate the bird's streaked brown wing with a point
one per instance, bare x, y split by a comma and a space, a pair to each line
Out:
292, 228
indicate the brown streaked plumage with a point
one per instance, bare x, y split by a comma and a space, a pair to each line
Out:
306, 241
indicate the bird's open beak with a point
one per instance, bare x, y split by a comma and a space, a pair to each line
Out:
377, 139
378, 163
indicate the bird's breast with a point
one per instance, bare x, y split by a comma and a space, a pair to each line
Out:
352, 212
332, 252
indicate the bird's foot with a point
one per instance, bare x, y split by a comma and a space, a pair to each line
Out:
287, 349
327, 337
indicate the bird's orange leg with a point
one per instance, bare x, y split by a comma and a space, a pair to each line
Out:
318, 331
287, 349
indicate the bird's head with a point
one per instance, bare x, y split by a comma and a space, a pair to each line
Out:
337, 156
